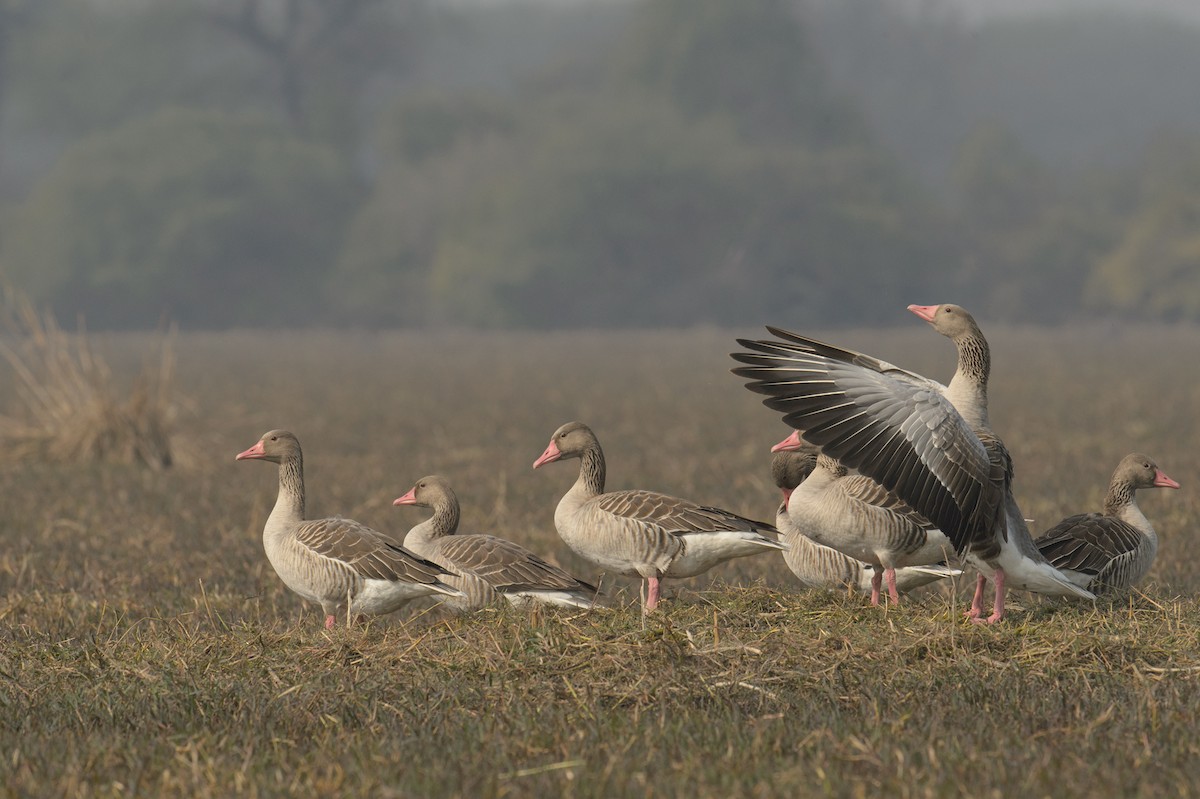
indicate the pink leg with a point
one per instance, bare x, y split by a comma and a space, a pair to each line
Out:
998, 602
977, 603
890, 576
876, 584
329, 621
652, 593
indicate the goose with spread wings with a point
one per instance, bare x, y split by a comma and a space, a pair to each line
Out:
836, 517
931, 445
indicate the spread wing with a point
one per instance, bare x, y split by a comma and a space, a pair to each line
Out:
367, 552
892, 425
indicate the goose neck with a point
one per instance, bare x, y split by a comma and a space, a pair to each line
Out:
591, 472
968, 388
289, 505
1120, 496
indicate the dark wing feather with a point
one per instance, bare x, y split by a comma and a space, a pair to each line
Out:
676, 515
1088, 542
366, 551
890, 424
507, 566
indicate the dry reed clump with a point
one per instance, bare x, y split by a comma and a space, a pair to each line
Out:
72, 411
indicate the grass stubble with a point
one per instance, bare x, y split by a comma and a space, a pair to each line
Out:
148, 649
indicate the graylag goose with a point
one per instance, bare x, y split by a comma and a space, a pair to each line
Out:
640, 533
488, 567
836, 508
344, 566
1110, 551
929, 444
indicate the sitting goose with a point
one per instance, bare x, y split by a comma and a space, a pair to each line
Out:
643, 533
345, 566
845, 501
1110, 551
927, 443
488, 567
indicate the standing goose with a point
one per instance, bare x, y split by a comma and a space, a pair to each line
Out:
339, 563
488, 567
643, 533
841, 507
1110, 551
929, 444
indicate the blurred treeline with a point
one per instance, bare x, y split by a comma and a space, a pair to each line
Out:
631, 162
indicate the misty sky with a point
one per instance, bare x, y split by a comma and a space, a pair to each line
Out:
974, 9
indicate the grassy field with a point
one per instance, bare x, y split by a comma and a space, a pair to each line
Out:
149, 649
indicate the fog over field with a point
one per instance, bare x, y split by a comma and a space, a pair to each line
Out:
642, 163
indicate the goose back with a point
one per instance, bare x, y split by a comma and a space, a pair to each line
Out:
488, 567
341, 564
643, 533
1110, 551
901, 430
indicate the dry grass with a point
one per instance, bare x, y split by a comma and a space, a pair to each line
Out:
71, 410
147, 648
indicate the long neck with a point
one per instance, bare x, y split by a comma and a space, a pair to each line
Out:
443, 523
591, 472
289, 505
1120, 496
1122, 503
967, 391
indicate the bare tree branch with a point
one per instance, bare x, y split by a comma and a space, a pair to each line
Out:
304, 29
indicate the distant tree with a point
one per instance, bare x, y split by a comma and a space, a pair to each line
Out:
1082, 85
1029, 236
906, 66
440, 149
596, 216
619, 210
749, 60
306, 41
15, 15
1153, 270
212, 218
89, 66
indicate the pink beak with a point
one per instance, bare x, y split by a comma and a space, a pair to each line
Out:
926, 312
1162, 481
551, 454
789, 444
256, 451
787, 494
408, 499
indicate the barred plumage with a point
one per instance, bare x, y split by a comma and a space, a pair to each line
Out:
1110, 551
930, 444
488, 567
643, 533
847, 529
341, 564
